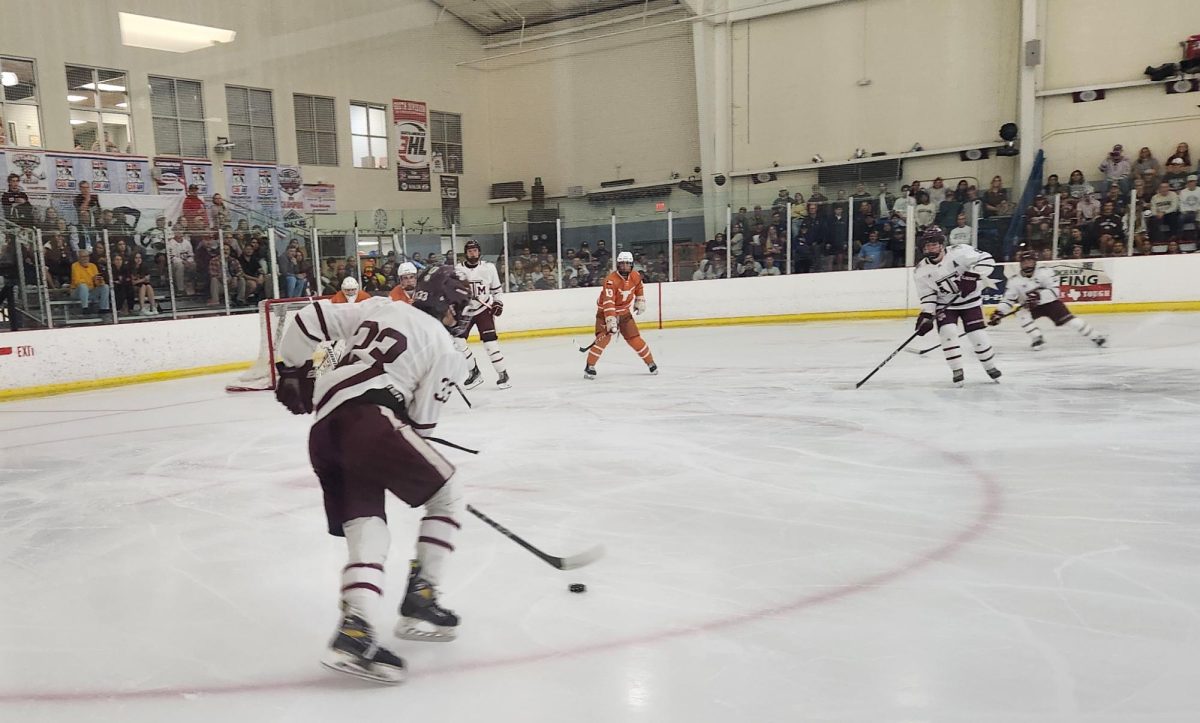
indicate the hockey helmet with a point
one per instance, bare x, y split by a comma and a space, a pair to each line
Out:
624, 258
472, 261
440, 289
350, 287
933, 234
407, 275
1028, 261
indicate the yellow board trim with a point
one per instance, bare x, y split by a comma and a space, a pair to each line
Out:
46, 390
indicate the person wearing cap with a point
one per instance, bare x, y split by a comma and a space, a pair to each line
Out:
1189, 207
1177, 173
1117, 168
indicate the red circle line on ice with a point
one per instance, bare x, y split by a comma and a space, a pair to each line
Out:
985, 517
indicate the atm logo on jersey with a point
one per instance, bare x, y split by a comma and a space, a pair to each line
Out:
1082, 281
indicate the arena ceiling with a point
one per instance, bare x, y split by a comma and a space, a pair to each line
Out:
501, 16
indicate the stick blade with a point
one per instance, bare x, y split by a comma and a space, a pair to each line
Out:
583, 559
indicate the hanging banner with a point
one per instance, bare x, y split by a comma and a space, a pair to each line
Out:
135, 176
291, 189
449, 186
411, 119
30, 166
199, 174
253, 187
64, 175
174, 175
101, 183
319, 198
168, 175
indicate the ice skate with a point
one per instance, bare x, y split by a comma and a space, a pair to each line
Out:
421, 618
353, 651
653, 369
1037, 344
958, 378
502, 382
589, 372
1100, 340
994, 373
474, 379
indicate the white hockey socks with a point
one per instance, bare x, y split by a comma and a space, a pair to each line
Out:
1081, 326
367, 539
950, 347
983, 348
493, 350
1027, 323
438, 529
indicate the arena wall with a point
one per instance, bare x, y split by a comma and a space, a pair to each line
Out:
54, 361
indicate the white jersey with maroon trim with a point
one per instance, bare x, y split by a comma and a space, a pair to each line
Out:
389, 346
937, 284
485, 285
1044, 283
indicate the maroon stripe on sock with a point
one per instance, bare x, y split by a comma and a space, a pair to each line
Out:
436, 541
952, 358
951, 348
985, 351
372, 565
363, 586
439, 518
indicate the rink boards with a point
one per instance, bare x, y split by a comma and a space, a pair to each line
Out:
36, 363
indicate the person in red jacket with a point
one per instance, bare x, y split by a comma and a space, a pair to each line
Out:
622, 291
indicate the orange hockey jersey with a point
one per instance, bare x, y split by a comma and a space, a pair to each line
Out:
340, 298
399, 294
618, 294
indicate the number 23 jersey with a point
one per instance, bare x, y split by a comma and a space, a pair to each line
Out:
388, 346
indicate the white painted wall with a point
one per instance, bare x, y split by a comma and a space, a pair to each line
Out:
64, 355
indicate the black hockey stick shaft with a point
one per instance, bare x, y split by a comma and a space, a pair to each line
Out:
594, 342
939, 346
548, 559
907, 341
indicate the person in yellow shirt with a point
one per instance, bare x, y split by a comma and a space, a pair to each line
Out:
86, 283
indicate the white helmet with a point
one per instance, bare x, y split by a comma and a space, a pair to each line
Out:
407, 269
350, 287
624, 258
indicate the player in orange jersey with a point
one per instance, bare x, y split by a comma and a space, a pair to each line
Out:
621, 291
349, 293
408, 283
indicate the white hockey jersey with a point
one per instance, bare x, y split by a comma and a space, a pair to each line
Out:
485, 285
389, 346
937, 284
1044, 283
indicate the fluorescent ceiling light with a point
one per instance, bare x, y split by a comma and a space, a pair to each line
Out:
144, 31
122, 104
76, 98
77, 122
106, 87
8, 78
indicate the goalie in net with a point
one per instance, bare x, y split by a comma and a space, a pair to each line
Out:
273, 316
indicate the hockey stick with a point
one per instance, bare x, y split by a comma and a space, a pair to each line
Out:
923, 352
571, 562
907, 341
594, 342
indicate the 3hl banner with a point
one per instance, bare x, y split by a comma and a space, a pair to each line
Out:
411, 119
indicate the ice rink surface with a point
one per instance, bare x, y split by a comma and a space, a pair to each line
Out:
781, 547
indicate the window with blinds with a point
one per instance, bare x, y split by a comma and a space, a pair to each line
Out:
177, 111
445, 130
316, 130
251, 123
368, 135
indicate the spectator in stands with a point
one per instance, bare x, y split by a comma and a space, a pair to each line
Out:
1116, 198
1149, 178
182, 261
1052, 187
1172, 247
57, 256
769, 267
870, 256
87, 206
603, 255
960, 191
233, 275
1073, 238
15, 203
140, 275
1165, 205
1183, 151
1076, 251
583, 274
1107, 227
1146, 162
1177, 173
748, 266
817, 196
256, 280
221, 215
122, 275
1086, 210
194, 212
87, 284
308, 276
549, 278
1078, 185
836, 241
925, 211
782, 199
1118, 249
716, 248
289, 271
1189, 209
1116, 167
737, 240
961, 233
1038, 217
995, 199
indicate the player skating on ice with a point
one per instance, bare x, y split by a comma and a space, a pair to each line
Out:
407, 276
1037, 291
622, 290
485, 307
948, 286
372, 413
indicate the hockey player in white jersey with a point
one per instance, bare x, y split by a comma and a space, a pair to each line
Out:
1036, 290
485, 306
372, 413
948, 285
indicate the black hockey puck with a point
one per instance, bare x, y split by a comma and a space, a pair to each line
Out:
577, 587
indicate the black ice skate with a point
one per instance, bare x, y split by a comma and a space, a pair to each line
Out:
353, 651
502, 382
1037, 344
589, 372
994, 373
653, 368
1099, 340
421, 618
474, 379
958, 377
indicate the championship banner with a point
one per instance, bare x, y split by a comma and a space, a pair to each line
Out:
450, 206
168, 175
291, 189
319, 198
30, 166
411, 119
174, 175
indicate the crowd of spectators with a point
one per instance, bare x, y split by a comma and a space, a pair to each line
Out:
581, 267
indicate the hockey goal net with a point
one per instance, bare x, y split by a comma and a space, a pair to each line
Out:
273, 318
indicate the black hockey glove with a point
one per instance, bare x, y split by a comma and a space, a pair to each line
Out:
497, 307
294, 387
995, 318
924, 323
967, 283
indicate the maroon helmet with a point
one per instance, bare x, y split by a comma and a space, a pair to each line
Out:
439, 289
933, 234
1031, 257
